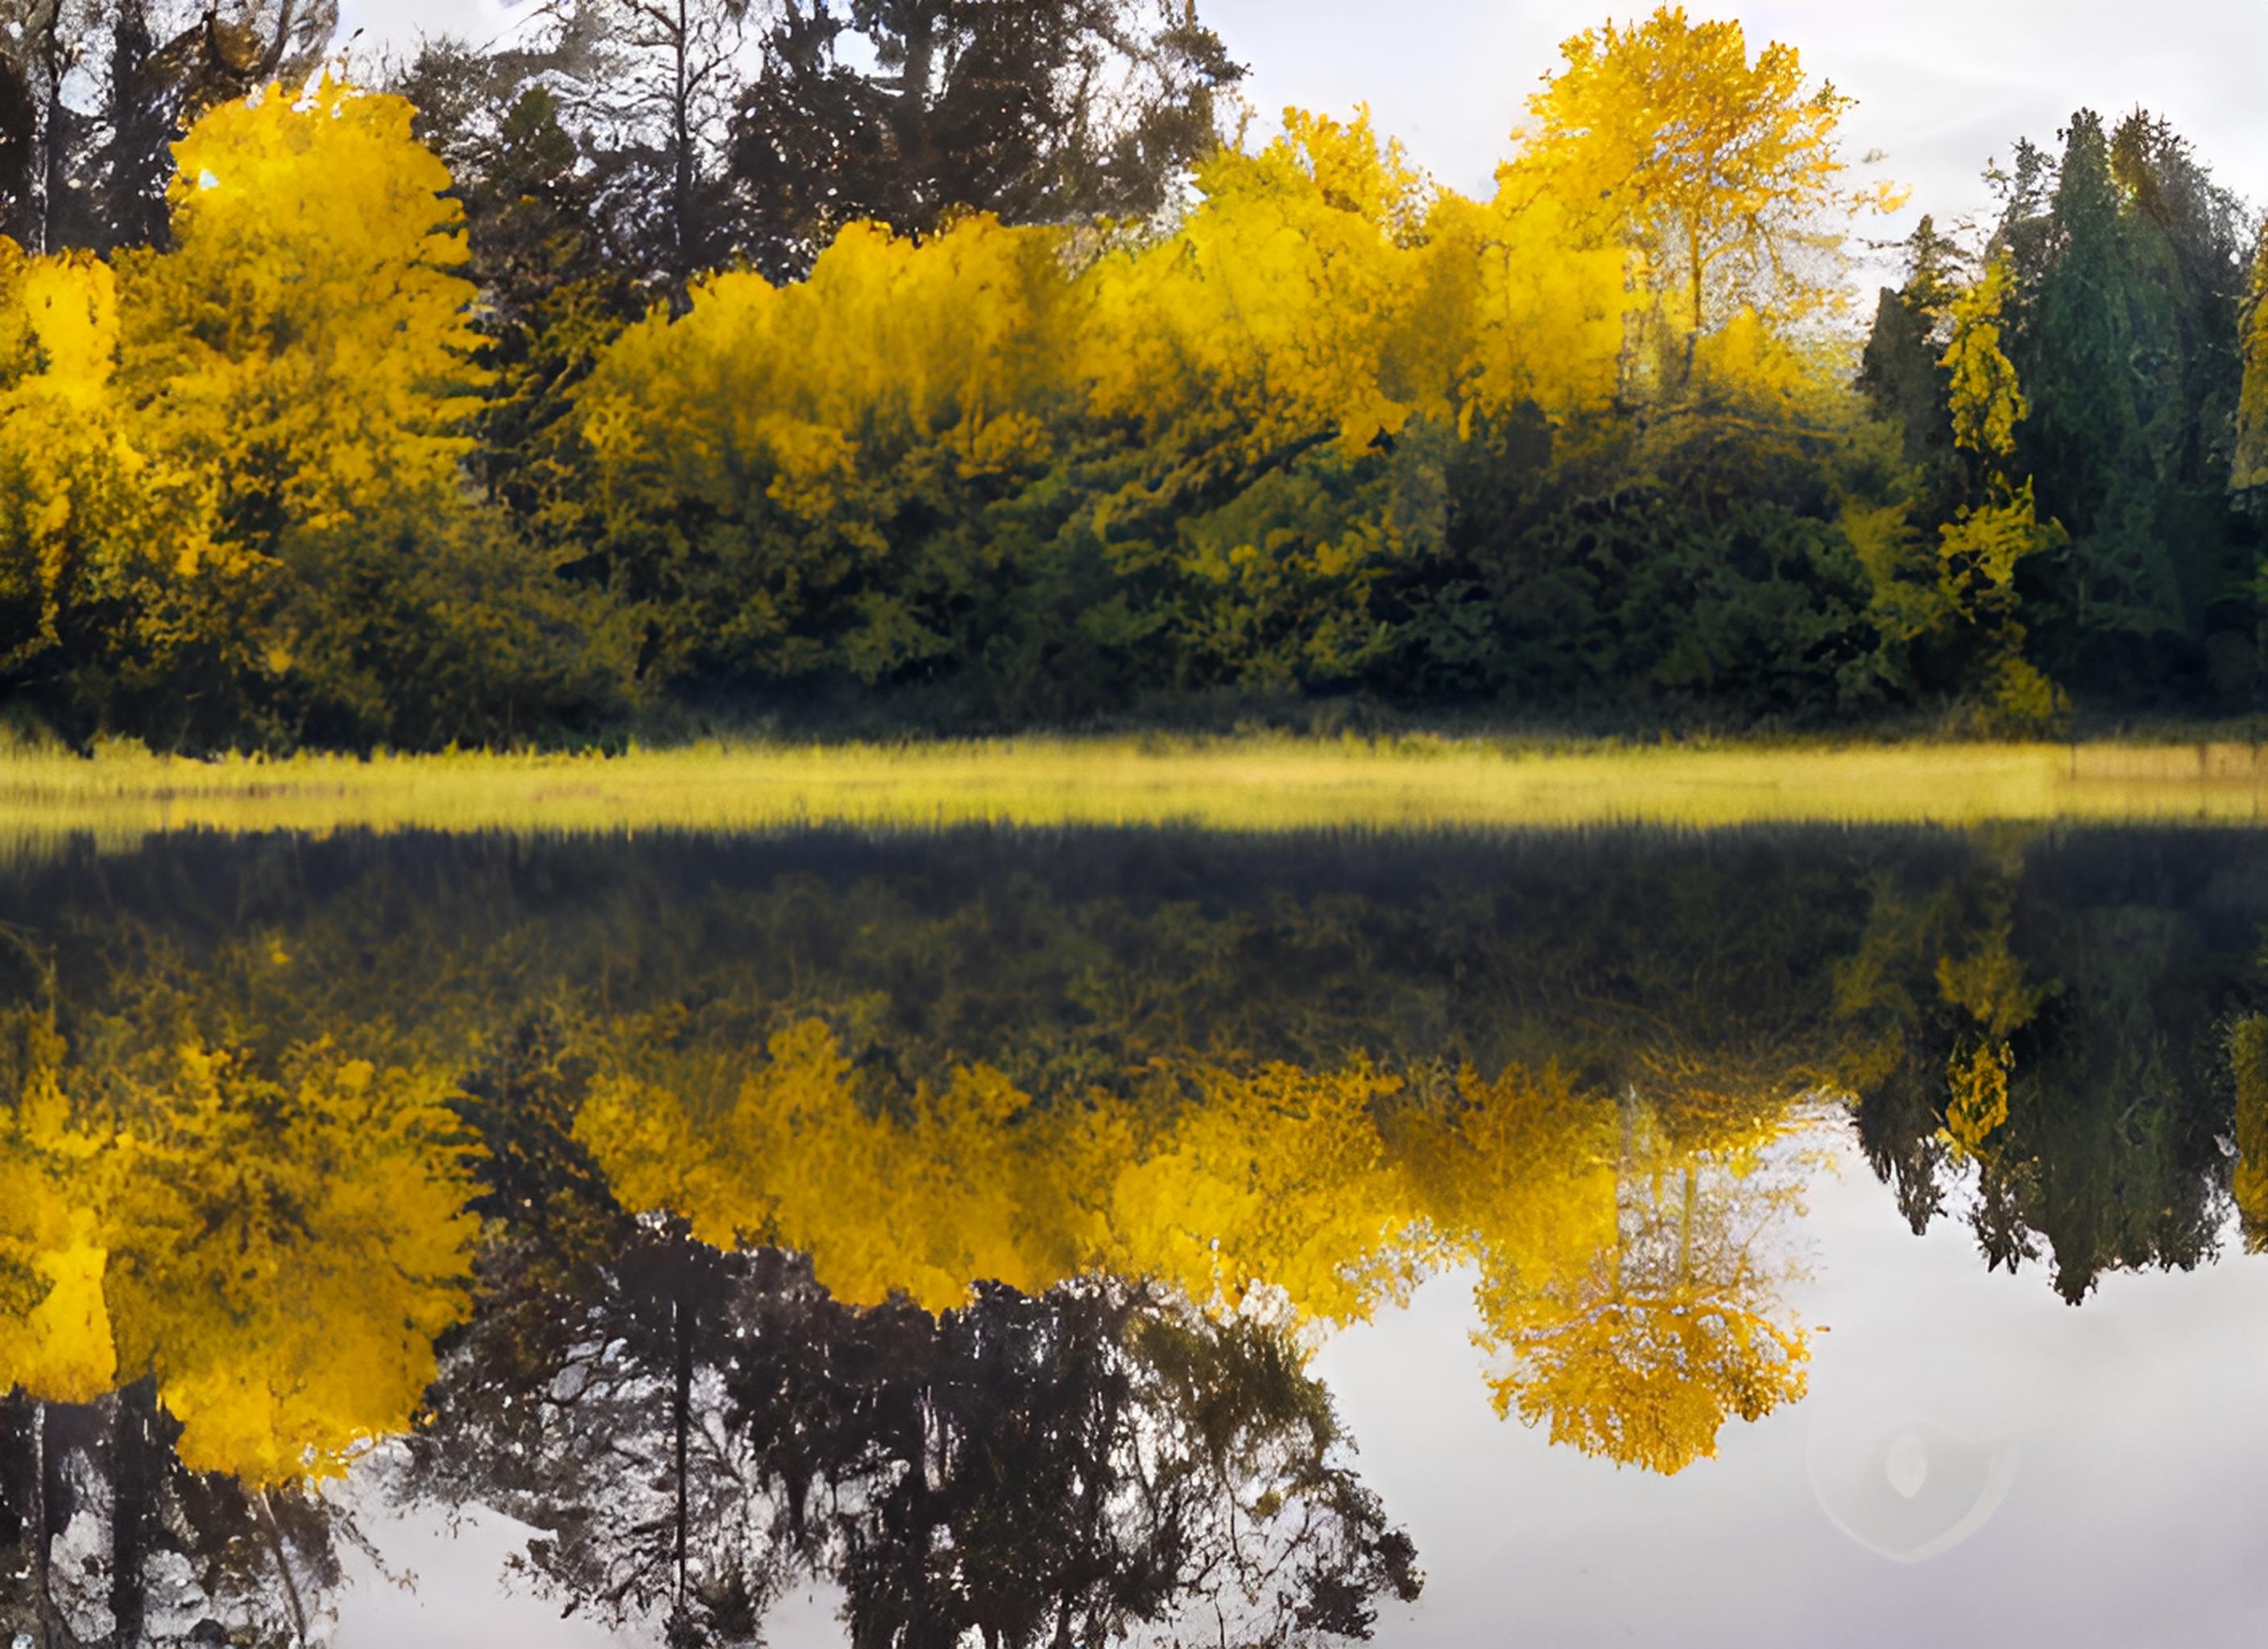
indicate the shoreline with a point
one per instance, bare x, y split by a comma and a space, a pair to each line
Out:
1251, 784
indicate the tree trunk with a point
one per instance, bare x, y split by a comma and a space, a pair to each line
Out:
1685, 1231
911, 118
283, 1556
682, 1424
19, 1502
681, 227
133, 1461
54, 180
54, 1506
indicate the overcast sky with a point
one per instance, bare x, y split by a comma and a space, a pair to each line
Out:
1943, 86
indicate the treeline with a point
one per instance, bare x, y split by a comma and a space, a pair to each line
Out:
966, 361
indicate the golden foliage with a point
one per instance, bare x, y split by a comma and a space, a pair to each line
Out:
1721, 173
280, 1251
1991, 985
73, 488
920, 1204
1978, 1094
306, 343
1641, 1348
1987, 402
1275, 1180
292, 1248
2248, 1056
56, 1341
1636, 1323
301, 352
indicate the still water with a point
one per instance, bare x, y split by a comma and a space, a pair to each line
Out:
1769, 1236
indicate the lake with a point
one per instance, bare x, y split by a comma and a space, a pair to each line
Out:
1778, 1233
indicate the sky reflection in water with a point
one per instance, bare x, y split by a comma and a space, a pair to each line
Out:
1702, 1209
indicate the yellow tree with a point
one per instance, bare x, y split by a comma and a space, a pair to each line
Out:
285, 1251
1511, 309
1722, 173
93, 535
1643, 1350
960, 1184
1275, 1181
1518, 1175
55, 1343
749, 454
306, 343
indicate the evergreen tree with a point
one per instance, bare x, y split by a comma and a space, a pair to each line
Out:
906, 111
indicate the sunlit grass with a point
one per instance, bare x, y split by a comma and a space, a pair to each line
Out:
1251, 784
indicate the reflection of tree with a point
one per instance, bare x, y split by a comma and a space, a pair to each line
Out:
2048, 1017
2248, 1057
220, 1277
115, 1541
1067, 1467
690, 1423
1638, 1326
287, 1250
1221, 1073
1064, 1468
1643, 1350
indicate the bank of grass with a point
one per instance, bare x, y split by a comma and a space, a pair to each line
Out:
1254, 782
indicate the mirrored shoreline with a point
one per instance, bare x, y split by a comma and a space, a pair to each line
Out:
968, 1221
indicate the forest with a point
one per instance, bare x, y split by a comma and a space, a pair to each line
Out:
949, 366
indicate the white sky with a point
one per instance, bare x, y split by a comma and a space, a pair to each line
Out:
1943, 86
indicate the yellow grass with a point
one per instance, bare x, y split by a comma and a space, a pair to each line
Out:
1240, 785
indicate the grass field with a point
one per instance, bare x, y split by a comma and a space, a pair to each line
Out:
1255, 784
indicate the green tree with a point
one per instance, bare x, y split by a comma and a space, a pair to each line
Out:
907, 111
2129, 282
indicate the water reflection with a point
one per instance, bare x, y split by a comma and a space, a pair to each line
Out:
956, 1217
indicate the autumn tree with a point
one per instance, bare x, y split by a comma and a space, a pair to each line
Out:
1644, 1349
304, 352
1722, 173
757, 461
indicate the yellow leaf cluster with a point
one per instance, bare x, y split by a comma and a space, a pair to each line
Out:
921, 1205
306, 341
1720, 172
1977, 1094
1631, 1281
1987, 402
299, 351
279, 1251
55, 1340
1319, 291
780, 391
